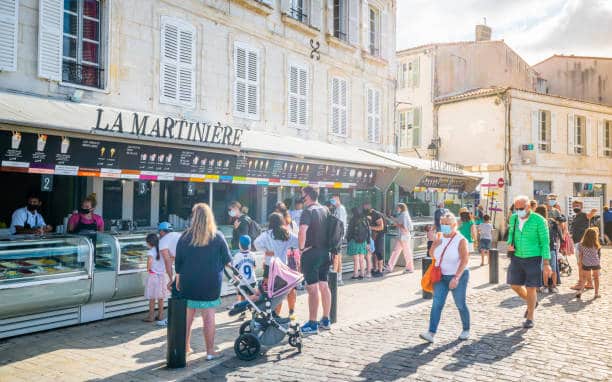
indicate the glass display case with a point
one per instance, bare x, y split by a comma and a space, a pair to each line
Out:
26, 259
133, 249
105, 257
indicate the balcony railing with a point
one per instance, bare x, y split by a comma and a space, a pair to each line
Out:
85, 75
298, 14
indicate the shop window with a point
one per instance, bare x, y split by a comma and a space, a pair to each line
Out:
540, 190
374, 45
339, 106
590, 190
177, 62
142, 204
373, 107
82, 54
246, 81
298, 96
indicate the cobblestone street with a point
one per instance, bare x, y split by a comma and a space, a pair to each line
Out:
569, 343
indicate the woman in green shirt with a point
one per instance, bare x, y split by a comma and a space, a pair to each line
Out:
467, 227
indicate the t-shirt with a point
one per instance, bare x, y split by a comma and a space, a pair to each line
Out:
266, 242
373, 219
315, 217
245, 263
486, 231
201, 268
341, 214
95, 219
450, 262
404, 218
296, 215
243, 229
157, 266
169, 242
579, 224
522, 223
607, 216
22, 216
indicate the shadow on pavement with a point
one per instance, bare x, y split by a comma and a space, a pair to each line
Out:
568, 301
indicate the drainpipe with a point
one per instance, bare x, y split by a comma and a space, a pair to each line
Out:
508, 149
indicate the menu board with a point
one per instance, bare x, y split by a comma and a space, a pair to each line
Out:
430, 181
71, 156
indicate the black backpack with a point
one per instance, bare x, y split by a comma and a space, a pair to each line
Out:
254, 228
335, 233
360, 231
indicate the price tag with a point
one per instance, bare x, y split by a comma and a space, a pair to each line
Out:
46, 183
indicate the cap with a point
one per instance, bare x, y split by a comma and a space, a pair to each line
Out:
164, 226
245, 241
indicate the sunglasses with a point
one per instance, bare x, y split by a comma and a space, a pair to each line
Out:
520, 209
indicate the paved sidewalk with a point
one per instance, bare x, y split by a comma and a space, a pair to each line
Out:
570, 342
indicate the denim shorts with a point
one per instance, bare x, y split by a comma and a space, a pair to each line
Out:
484, 244
554, 263
525, 271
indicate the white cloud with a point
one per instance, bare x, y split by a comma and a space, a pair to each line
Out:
535, 29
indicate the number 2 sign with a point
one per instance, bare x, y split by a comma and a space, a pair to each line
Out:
46, 183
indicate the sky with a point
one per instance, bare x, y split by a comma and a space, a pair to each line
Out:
535, 29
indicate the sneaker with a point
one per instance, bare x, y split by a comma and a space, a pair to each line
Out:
311, 327
553, 290
408, 271
340, 282
369, 276
377, 274
542, 289
324, 324
465, 335
528, 324
428, 336
163, 322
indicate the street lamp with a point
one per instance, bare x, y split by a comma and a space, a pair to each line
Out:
434, 148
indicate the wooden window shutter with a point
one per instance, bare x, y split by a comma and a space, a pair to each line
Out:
50, 24
9, 21
416, 73
377, 117
177, 62
570, 134
554, 134
589, 141
601, 127
293, 95
335, 110
316, 14
187, 67
370, 112
353, 22
240, 80
303, 98
344, 104
253, 83
535, 129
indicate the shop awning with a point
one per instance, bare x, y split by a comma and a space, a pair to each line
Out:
418, 172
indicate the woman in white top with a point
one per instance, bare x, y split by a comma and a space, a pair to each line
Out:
451, 253
404, 242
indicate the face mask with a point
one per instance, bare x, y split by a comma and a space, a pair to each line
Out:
446, 229
300, 200
232, 213
332, 202
84, 210
577, 210
552, 203
32, 207
521, 213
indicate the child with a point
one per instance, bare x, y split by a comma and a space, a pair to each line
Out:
431, 236
485, 231
155, 288
244, 262
588, 254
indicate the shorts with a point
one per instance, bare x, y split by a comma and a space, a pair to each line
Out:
591, 267
554, 263
197, 304
525, 271
355, 248
315, 265
379, 244
246, 290
484, 244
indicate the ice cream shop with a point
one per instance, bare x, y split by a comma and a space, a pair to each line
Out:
134, 170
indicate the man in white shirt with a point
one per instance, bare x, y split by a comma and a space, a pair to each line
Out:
167, 248
27, 220
339, 212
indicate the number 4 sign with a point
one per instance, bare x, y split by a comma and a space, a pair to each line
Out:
46, 183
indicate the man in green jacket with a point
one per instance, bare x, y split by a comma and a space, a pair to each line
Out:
528, 238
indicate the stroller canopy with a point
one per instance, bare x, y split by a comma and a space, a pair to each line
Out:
281, 279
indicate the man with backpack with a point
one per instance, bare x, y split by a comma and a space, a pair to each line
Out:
243, 224
314, 243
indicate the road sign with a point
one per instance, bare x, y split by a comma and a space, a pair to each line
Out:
495, 209
501, 182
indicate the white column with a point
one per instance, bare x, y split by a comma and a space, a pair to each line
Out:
96, 186
155, 188
210, 195
128, 200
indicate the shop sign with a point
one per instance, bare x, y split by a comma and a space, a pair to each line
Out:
430, 181
46, 183
143, 125
445, 167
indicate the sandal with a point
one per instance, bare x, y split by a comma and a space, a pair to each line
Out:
596, 296
148, 320
355, 278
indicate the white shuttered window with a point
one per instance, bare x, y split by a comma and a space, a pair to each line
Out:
298, 96
246, 81
50, 27
177, 64
373, 107
339, 109
9, 16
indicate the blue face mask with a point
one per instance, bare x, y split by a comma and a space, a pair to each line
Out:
552, 203
521, 213
446, 229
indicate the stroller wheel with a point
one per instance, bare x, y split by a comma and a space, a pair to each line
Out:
296, 342
247, 347
245, 327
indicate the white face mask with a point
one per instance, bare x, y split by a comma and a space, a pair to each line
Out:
232, 213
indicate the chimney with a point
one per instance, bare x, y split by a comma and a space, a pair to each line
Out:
483, 33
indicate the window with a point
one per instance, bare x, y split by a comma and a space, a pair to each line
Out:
544, 131
580, 135
410, 128
540, 190
401, 75
299, 10
590, 190
81, 48
413, 71
374, 32
298, 96
341, 19
607, 139
9, 17
246, 81
339, 109
373, 107
403, 126
177, 63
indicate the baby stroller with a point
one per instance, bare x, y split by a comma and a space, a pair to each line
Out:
565, 269
265, 327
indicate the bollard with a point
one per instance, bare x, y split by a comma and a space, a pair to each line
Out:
493, 266
425, 264
332, 281
177, 331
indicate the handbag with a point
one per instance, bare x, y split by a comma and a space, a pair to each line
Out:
433, 274
511, 253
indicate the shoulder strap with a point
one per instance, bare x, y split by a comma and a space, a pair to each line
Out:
444, 250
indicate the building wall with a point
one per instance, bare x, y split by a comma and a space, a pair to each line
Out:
584, 78
133, 67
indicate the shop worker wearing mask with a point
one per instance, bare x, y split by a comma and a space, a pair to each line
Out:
84, 220
240, 222
27, 220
